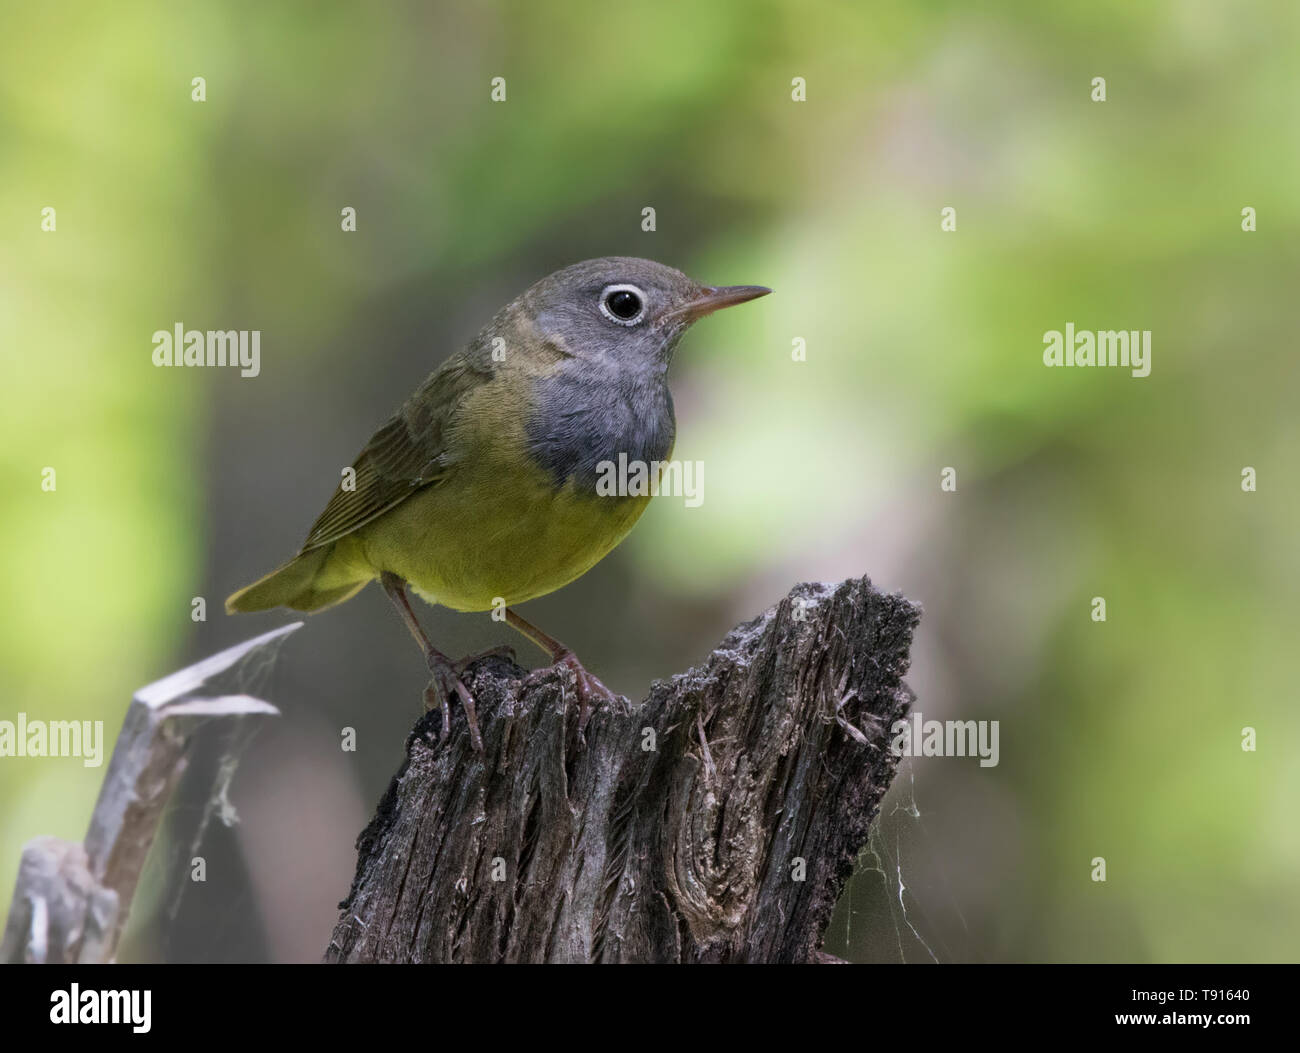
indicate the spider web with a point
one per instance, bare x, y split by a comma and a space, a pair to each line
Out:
196, 824
879, 897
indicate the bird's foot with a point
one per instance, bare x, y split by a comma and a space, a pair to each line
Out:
589, 687
444, 683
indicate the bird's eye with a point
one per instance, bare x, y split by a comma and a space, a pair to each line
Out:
624, 304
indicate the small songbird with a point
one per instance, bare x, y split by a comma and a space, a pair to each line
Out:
481, 491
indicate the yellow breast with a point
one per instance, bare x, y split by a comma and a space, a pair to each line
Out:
497, 528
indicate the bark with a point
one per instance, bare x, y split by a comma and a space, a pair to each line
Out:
715, 821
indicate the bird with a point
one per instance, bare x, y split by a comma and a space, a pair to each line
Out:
481, 491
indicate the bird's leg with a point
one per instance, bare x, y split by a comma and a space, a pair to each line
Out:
588, 685
446, 675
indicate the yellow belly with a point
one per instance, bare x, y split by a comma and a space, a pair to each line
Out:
481, 538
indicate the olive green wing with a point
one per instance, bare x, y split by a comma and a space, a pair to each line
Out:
410, 452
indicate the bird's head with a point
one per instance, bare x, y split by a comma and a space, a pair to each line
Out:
623, 311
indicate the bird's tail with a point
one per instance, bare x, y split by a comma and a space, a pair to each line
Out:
299, 584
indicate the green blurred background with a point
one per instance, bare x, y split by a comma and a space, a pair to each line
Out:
1119, 739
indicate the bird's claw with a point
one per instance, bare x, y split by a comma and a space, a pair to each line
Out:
589, 687
444, 683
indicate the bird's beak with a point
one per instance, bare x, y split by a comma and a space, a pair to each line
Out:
714, 299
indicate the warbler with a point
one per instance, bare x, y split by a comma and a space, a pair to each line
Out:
480, 492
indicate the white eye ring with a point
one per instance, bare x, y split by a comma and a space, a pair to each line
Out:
609, 291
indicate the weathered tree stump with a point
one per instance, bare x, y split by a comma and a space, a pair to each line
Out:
716, 821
